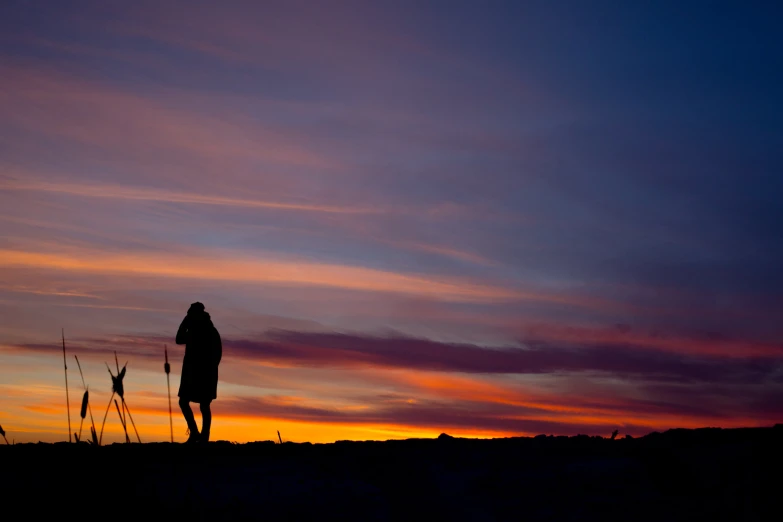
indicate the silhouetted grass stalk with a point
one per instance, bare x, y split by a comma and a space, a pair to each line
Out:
125, 405
2, 432
89, 406
167, 369
67, 399
116, 385
100, 438
122, 421
118, 388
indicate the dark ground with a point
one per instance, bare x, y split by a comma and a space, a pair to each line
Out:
705, 474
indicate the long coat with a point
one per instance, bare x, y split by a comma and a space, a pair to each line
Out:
203, 351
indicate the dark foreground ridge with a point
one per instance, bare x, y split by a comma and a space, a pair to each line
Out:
703, 474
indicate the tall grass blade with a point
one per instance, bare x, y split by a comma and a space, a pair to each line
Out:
108, 406
125, 406
122, 421
67, 399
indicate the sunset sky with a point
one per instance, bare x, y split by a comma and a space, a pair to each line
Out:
405, 218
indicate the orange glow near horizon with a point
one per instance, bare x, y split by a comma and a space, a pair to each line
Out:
153, 426
37, 412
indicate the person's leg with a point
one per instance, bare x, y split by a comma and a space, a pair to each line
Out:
206, 420
189, 418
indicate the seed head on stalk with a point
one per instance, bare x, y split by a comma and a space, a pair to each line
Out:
2, 432
85, 401
116, 381
83, 413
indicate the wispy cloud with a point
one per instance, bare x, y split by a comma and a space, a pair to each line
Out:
238, 267
169, 196
58, 105
446, 251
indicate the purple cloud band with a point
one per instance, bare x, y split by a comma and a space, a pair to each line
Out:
332, 349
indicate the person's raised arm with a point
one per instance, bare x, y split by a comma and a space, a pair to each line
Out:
182, 332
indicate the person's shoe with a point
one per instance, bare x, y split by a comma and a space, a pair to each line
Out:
193, 437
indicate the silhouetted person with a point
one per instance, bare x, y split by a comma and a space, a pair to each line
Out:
203, 351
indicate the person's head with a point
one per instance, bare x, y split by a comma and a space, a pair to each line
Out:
196, 308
